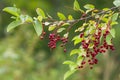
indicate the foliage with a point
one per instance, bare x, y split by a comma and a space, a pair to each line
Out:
94, 36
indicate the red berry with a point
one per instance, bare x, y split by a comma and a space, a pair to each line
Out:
89, 60
87, 55
107, 32
65, 50
44, 33
91, 67
81, 35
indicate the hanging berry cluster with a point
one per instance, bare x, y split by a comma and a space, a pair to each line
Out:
98, 47
56, 38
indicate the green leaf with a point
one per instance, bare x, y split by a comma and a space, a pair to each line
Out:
52, 27
76, 5
38, 27
81, 28
69, 73
116, 3
105, 9
65, 24
115, 16
79, 59
60, 30
61, 16
108, 39
70, 17
26, 18
75, 51
13, 17
22, 18
40, 12
13, 24
72, 65
40, 18
105, 19
76, 37
114, 23
12, 10
66, 35
68, 62
78, 41
89, 6
112, 31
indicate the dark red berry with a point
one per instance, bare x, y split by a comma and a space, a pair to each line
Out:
65, 50
107, 32
87, 55
81, 35
44, 33
89, 60
91, 67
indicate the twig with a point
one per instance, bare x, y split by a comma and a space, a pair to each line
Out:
75, 21
102, 12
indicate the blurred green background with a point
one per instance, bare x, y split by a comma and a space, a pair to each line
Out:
23, 56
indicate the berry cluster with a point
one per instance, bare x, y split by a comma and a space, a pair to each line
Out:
64, 41
97, 47
54, 39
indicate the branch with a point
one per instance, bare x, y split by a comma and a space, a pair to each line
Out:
75, 21
102, 12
